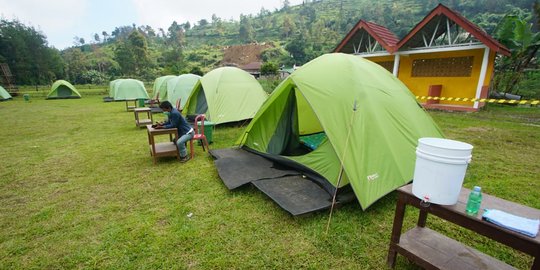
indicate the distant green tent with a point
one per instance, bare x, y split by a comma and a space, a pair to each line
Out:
342, 111
111, 87
180, 87
128, 89
4, 95
63, 89
159, 89
226, 94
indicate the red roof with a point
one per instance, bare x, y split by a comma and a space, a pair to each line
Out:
381, 34
463, 23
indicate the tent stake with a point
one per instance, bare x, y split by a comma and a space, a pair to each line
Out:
341, 169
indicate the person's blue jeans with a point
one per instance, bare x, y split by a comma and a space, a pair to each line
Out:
181, 143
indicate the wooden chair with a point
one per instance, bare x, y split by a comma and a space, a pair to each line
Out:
154, 105
199, 134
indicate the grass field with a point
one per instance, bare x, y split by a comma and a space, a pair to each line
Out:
78, 189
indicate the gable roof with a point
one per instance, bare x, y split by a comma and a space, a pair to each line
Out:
457, 18
252, 66
381, 34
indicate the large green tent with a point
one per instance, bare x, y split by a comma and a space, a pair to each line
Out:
63, 89
180, 87
4, 95
159, 89
226, 94
342, 111
128, 89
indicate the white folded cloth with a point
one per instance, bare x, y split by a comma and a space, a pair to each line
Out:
518, 224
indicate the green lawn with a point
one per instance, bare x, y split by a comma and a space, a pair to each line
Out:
78, 189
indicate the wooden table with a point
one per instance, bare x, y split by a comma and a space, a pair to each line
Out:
131, 107
142, 122
163, 149
432, 250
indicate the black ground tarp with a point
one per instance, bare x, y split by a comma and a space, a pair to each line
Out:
289, 188
237, 167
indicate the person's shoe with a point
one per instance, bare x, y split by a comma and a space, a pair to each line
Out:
184, 159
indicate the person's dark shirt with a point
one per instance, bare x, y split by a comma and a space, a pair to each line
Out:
177, 121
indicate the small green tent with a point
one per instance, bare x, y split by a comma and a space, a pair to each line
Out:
128, 89
226, 94
180, 87
160, 87
342, 111
63, 89
4, 95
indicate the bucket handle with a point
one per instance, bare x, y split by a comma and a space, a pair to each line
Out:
441, 160
443, 157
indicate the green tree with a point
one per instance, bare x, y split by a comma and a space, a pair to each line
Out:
286, 5
297, 49
132, 55
246, 29
203, 23
26, 52
196, 70
125, 58
516, 32
269, 68
172, 58
75, 64
288, 26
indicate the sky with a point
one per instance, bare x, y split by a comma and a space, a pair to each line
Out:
62, 20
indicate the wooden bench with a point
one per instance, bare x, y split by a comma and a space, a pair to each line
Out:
432, 250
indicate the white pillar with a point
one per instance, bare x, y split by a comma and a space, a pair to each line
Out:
396, 65
482, 77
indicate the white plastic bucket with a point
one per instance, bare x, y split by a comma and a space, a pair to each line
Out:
440, 169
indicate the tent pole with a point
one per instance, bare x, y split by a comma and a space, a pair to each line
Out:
340, 176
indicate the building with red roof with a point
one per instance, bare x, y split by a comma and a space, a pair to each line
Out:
444, 56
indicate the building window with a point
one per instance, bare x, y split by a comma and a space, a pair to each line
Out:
443, 67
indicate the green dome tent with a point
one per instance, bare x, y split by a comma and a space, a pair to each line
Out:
111, 87
160, 87
226, 94
128, 89
4, 95
63, 89
363, 118
180, 87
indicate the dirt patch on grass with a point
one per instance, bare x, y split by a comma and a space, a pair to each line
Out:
241, 55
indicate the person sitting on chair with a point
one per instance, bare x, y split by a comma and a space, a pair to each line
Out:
175, 120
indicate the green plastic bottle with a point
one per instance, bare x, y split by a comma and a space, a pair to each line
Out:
475, 199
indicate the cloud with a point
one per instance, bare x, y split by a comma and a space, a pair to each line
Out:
51, 16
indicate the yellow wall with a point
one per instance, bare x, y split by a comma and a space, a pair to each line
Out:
464, 87
381, 58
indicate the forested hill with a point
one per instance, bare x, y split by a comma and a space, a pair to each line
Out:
298, 33
325, 22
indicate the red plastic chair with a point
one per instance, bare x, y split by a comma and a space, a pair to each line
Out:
199, 134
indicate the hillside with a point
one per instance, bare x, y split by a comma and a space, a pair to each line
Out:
298, 34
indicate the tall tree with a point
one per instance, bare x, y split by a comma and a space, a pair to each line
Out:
516, 32
139, 48
246, 29
75, 64
26, 52
124, 57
